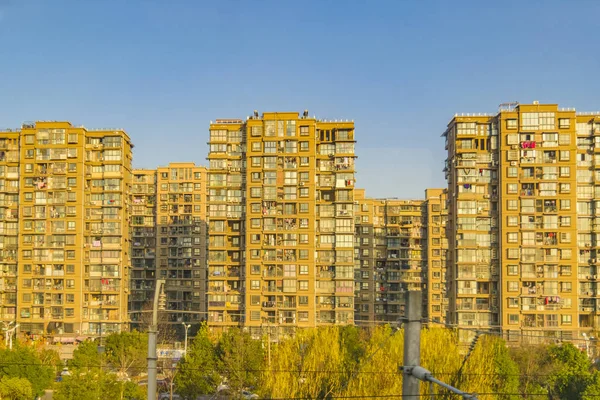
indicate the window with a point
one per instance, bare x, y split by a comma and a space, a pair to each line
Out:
511, 124
512, 205
564, 123
565, 172
304, 161
513, 253
512, 139
303, 285
565, 319
270, 147
303, 146
513, 319
304, 131
512, 220
512, 188
302, 316
565, 204
254, 284
512, 172
513, 286
512, 270
512, 237
304, 270
72, 138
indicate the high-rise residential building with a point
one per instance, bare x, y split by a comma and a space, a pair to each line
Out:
391, 256
169, 241
64, 230
522, 186
281, 230
368, 235
181, 239
143, 244
435, 219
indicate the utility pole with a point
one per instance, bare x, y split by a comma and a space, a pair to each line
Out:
159, 303
412, 344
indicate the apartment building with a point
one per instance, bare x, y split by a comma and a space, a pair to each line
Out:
181, 239
395, 253
281, 230
143, 244
522, 220
435, 246
63, 228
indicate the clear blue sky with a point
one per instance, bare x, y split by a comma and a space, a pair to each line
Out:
163, 69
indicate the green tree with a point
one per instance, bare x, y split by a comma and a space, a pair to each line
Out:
571, 375
15, 389
96, 385
533, 368
240, 359
24, 362
127, 352
86, 356
197, 372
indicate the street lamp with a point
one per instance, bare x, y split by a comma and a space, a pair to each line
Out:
186, 326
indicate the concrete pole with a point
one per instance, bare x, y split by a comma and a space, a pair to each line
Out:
152, 358
412, 344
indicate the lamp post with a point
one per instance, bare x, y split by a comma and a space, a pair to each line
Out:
186, 326
159, 303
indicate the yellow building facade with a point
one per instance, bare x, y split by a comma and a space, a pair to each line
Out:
522, 219
65, 236
281, 227
399, 246
143, 244
181, 239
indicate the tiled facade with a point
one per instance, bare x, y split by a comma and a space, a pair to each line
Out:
281, 233
400, 245
65, 236
522, 220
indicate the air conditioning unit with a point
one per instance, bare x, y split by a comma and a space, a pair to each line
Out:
513, 163
514, 147
486, 196
301, 183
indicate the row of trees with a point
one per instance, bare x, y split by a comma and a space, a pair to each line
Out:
326, 362
332, 362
